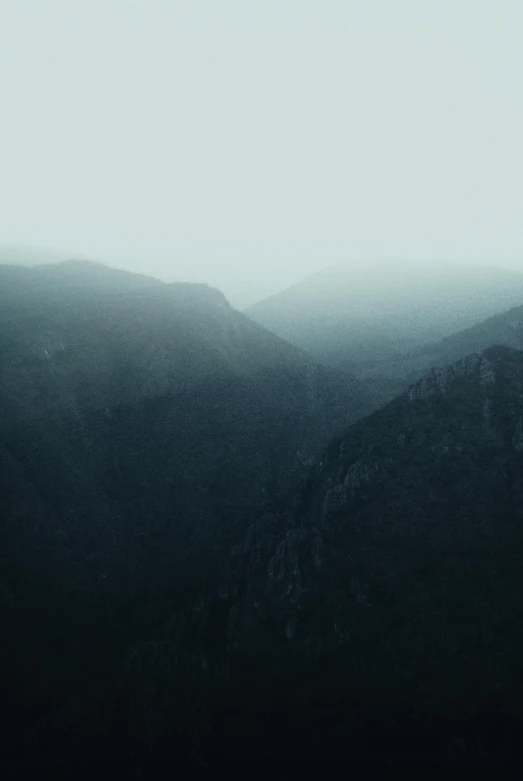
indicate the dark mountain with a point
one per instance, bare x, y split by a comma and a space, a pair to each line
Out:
354, 316
143, 426
378, 619
169, 593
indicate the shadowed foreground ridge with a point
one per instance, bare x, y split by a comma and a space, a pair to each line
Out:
380, 616
373, 622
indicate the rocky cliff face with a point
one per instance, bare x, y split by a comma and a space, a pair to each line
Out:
383, 608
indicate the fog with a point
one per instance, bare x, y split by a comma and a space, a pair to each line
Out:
248, 144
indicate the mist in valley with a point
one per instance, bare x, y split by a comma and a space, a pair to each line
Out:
261, 383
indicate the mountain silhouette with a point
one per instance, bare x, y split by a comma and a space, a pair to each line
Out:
377, 617
143, 426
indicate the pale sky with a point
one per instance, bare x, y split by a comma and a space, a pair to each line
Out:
248, 142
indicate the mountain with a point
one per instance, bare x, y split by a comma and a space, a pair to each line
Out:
143, 426
353, 316
186, 576
377, 619
505, 329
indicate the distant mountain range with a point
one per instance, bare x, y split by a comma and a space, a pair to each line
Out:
354, 316
214, 548
504, 329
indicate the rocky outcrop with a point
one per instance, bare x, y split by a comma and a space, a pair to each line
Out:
394, 582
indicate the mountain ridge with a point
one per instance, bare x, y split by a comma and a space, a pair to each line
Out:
238, 558
388, 595
139, 433
355, 317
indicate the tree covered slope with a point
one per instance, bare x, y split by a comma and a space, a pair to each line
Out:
143, 426
379, 615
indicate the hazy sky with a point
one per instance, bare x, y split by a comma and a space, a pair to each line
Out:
246, 142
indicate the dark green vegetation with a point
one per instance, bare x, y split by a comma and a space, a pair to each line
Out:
186, 574
143, 426
352, 317
379, 617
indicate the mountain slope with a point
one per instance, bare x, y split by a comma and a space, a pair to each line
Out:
381, 614
353, 316
142, 427
505, 329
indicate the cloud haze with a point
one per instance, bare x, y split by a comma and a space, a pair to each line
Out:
248, 143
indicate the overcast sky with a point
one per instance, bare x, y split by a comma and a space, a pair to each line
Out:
247, 142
